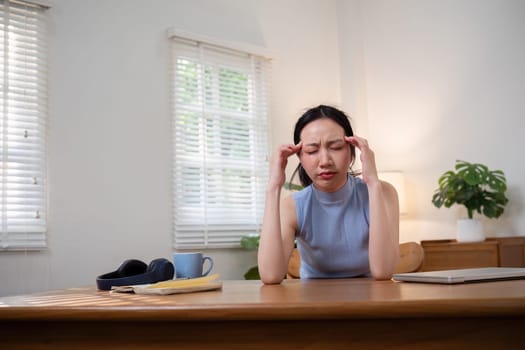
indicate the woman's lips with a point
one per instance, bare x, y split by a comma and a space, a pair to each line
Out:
326, 175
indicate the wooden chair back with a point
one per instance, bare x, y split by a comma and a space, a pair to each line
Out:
411, 256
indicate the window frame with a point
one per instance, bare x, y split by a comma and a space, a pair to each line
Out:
210, 228
23, 124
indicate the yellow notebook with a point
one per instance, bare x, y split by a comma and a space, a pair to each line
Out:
176, 286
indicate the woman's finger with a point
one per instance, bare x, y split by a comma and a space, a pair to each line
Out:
356, 141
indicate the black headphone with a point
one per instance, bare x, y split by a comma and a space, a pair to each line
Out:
134, 271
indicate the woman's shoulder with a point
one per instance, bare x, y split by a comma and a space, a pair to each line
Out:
361, 185
389, 190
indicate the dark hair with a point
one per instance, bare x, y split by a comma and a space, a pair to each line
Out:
321, 111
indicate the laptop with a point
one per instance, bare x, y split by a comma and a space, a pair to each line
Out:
483, 274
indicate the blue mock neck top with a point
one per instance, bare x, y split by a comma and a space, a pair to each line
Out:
333, 230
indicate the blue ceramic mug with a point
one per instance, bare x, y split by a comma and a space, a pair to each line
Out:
191, 265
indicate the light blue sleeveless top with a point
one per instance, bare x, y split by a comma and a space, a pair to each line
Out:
333, 229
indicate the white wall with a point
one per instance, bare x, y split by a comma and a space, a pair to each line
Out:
436, 81
109, 125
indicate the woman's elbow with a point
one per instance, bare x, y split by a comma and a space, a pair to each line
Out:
269, 278
382, 274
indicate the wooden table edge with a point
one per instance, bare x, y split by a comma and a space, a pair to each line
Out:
314, 311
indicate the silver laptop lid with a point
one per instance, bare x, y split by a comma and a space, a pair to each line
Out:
483, 274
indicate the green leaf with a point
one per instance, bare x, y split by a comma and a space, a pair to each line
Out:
445, 179
473, 174
490, 211
438, 199
250, 242
292, 187
496, 181
252, 274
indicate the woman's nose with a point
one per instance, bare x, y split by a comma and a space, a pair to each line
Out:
324, 157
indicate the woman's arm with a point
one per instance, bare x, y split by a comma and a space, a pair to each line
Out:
383, 245
279, 222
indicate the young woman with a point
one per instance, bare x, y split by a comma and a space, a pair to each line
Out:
344, 226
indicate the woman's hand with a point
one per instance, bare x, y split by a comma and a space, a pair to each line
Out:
368, 162
279, 162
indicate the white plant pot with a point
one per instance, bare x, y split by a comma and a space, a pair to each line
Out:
470, 230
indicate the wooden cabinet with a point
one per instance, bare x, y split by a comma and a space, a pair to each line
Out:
511, 251
493, 252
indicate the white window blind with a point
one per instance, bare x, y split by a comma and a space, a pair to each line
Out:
220, 133
23, 113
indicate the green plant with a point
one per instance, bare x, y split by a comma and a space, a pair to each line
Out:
251, 242
292, 187
474, 186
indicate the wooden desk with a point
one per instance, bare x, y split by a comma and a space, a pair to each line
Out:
298, 314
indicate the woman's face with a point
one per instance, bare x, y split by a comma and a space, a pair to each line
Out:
325, 155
